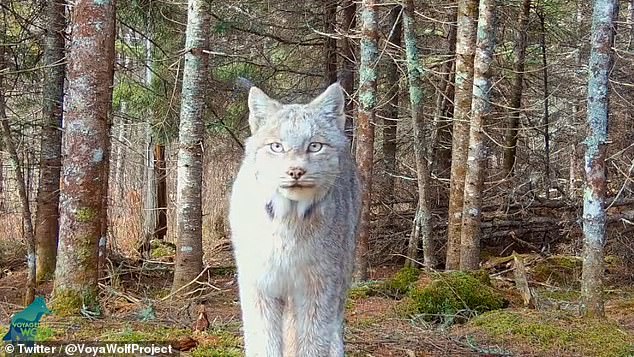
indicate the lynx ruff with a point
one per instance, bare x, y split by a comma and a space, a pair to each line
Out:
294, 213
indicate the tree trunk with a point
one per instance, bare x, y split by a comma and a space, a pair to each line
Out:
480, 112
441, 142
421, 146
546, 97
348, 62
84, 154
150, 200
365, 127
465, 50
47, 214
330, 42
28, 234
604, 19
161, 191
391, 114
190, 154
630, 20
149, 193
519, 59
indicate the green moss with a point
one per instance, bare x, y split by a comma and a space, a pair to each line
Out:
450, 295
160, 249
559, 294
85, 214
401, 282
560, 270
68, 302
364, 290
560, 332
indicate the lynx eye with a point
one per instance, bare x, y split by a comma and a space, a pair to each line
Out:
276, 147
315, 147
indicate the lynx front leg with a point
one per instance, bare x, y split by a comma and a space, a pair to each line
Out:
317, 326
262, 324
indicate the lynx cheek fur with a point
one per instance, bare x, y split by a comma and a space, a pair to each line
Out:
293, 214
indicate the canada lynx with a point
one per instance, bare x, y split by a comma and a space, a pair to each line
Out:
294, 213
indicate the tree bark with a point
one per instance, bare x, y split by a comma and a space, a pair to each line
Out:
348, 63
476, 158
546, 98
330, 42
630, 20
28, 234
85, 150
465, 50
519, 59
190, 154
391, 114
161, 191
47, 213
150, 199
365, 127
604, 19
422, 147
441, 142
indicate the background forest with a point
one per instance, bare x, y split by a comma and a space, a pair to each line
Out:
494, 140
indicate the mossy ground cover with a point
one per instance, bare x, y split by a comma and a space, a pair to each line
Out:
451, 295
553, 333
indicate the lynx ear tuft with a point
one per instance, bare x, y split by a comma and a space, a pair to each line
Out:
261, 107
331, 103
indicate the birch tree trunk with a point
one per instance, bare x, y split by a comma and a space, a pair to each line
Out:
84, 160
519, 59
47, 214
28, 235
348, 63
391, 114
190, 152
604, 19
365, 127
422, 147
465, 50
476, 158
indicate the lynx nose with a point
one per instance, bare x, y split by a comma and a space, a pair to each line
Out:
296, 173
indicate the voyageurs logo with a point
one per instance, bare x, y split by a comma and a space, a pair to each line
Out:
24, 324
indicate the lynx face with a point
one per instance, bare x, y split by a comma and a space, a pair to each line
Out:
295, 148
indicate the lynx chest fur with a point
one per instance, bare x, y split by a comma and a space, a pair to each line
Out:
294, 212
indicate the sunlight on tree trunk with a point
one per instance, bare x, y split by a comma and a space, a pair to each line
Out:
47, 214
365, 128
604, 18
465, 50
84, 156
476, 158
190, 152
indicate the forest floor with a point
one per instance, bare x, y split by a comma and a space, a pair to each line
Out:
137, 307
